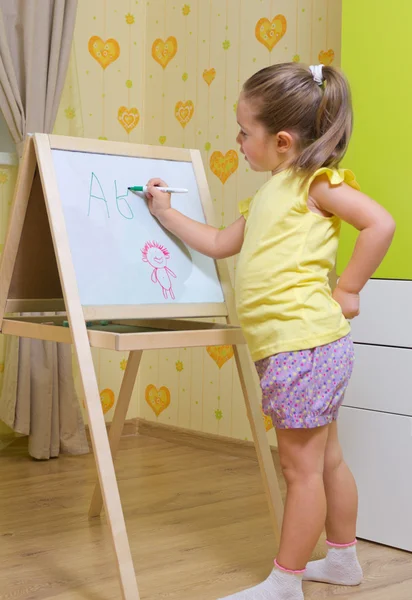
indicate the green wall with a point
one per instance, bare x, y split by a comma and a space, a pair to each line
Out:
377, 59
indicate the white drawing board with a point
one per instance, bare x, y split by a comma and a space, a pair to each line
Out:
121, 254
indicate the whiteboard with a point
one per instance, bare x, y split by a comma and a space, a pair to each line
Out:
121, 254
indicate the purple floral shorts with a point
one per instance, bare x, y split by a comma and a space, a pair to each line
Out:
304, 389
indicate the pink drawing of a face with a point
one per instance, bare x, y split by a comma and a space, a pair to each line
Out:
155, 254
156, 258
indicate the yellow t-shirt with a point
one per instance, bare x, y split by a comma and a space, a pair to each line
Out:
283, 297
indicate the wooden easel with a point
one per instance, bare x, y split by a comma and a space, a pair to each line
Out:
37, 275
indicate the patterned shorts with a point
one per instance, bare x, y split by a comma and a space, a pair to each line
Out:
305, 389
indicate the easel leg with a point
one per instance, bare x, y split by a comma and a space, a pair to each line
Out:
119, 418
107, 475
267, 467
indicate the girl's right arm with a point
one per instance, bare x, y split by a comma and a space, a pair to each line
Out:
216, 243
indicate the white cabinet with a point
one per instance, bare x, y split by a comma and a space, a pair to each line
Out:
378, 450
375, 422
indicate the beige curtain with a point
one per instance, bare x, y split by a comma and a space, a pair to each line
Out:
38, 396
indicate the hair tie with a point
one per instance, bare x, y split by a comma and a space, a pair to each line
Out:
317, 73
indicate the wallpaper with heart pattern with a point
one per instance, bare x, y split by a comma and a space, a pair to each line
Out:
168, 72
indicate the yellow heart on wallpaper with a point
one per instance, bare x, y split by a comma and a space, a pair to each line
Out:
220, 354
224, 165
209, 75
104, 52
268, 422
128, 118
184, 112
157, 399
107, 399
269, 33
163, 52
162, 139
326, 57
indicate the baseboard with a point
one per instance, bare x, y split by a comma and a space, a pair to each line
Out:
198, 439
188, 437
129, 429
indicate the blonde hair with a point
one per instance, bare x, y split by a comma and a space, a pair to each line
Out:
287, 98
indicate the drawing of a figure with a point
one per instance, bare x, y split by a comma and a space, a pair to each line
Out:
157, 256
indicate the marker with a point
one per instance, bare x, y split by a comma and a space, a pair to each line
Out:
66, 324
143, 188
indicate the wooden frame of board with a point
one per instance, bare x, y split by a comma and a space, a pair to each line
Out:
44, 280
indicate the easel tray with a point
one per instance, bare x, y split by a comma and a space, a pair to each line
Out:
125, 334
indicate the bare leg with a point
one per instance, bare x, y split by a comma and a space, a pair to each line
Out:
341, 493
301, 453
341, 565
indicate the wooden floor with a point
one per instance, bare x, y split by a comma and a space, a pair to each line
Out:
197, 522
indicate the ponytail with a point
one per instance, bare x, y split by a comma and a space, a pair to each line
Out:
332, 128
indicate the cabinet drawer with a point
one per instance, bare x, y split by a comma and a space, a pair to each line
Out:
386, 314
378, 449
381, 380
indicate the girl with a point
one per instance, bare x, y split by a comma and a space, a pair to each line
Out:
296, 123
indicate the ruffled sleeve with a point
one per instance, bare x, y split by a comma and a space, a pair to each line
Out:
337, 176
244, 206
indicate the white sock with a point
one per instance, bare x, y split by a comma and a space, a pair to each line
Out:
340, 567
278, 586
